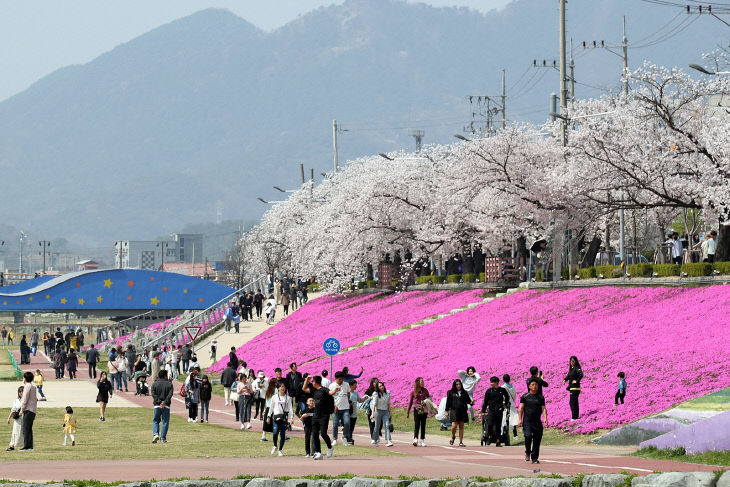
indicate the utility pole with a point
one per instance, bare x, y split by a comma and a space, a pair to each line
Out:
301, 170
563, 87
418, 135
572, 75
311, 183
553, 105
504, 100
334, 143
44, 244
20, 259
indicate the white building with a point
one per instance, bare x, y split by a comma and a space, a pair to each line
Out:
151, 254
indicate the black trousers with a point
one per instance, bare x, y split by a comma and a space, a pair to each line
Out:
533, 437
258, 310
193, 411
494, 424
308, 437
28, 418
619, 395
92, 370
260, 406
320, 426
419, 425
574, 406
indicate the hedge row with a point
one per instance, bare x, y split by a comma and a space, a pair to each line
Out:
661, 270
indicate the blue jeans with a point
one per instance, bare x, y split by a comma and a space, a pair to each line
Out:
382, 416
161, 415
116, 381
122, 379
204, 409
280, 432
344, 418
40, 391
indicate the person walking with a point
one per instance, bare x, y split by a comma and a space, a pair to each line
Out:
306, 418
245, 399
285, 300
513, 418
271, 389
186, 355
280, 415
161, 392
259, 394
354, 406
496, 399
258, 303
72, 364
469, 380
532, 406
575, 374
38, 381
69, 426
28, 407
17, 419
206, 392
621, 392
270, 309
114, 373
228, 377
340, 391
92, 358
122, 366
457, 404
415, 404
47, 344
106, 391
323, 406
34, 339
192, 388
381, 414
294, 382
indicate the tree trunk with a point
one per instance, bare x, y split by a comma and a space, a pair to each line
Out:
723, 244
592, 251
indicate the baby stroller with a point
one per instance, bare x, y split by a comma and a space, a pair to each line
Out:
504, 436
141, 382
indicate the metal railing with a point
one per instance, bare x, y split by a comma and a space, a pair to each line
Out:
175, 332
18, 372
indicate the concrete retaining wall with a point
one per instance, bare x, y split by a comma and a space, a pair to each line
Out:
671, 479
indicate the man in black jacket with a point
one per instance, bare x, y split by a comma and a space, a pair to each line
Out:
495, 401
187, 354
228, 377
161, 391
324, 405
293, 381
258, 303
92, 358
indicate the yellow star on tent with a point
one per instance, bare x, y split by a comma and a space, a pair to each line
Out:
48, 296
99, 299
30, 298
5, 303
185, 291
64, 301
108, 283
154, 301
81, 301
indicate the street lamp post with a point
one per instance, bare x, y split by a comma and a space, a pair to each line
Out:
707, 71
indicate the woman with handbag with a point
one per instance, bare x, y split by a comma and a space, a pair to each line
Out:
418, 396
270, 391
16, 436
457, 404
245, 398
235, 397
106, 390
259, 399
280, 415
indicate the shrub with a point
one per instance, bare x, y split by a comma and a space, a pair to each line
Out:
722, 267
606, 270
587, 273
453, 278
483, 276
666, 270
698, 269
468, 277
641, 270
565, 273
427, 279
372, 284
362, 285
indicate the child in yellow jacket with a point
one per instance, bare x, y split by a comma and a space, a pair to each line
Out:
69, 426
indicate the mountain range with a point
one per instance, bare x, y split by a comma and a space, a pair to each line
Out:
209, 111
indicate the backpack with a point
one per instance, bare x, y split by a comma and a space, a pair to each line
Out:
183, 392
234, 386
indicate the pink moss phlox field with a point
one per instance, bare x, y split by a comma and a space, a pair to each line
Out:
351, 320
672, 345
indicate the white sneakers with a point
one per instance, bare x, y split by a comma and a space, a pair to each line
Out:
280, 453
415, 442
330, 451
248, 426
273, 450
243, 426
317, 456
155, 439
423, 443
372, 442
390, 443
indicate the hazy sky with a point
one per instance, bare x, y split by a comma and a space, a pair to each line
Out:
40, 36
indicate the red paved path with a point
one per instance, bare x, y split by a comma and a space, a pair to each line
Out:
435, 461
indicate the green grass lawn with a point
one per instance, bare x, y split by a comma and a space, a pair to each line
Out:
716, 401
134, 425
7, 371
720, 458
